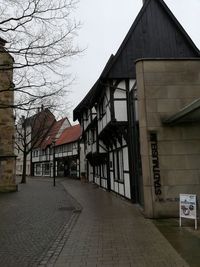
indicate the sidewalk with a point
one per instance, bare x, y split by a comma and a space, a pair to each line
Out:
112, 232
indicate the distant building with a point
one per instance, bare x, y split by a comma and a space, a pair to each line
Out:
31, 131
61, 144
7, 129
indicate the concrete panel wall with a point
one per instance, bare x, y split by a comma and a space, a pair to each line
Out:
171, 165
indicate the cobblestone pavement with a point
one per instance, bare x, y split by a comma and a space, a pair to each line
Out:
31, 221
112, 232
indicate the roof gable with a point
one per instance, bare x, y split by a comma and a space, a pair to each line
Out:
155, 33
52, 134
69, 135
88, 100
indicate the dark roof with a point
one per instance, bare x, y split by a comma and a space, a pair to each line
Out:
51, 135
85, 103
40, 124
41, 115
69, 135
155, 33
89, 99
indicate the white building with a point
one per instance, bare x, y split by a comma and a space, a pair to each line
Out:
61, 146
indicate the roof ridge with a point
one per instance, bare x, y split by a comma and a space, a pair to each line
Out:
137, 19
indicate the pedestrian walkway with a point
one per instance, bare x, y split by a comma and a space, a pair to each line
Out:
31, 220
112, 232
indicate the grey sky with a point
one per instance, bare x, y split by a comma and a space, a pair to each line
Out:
105, 24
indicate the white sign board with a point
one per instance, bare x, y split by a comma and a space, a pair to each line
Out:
188, 207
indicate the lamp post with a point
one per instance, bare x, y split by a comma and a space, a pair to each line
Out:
54, 163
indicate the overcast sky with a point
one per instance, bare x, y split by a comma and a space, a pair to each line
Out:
104, 26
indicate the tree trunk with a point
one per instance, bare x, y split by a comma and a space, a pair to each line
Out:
23, 181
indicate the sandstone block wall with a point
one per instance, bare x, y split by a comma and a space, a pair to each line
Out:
7, 157
172, 163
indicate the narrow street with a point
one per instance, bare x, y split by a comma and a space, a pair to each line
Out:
76, 224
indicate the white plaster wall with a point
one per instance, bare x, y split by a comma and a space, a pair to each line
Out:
82, 158
125, 159
90, 173
131, 83
121, 189
127, 185
116, 187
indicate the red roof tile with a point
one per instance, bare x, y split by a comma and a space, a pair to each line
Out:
69, 135
52, 133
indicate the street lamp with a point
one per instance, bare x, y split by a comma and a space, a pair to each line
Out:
54, 163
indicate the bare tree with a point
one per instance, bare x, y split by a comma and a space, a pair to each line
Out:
31, 131
40, 35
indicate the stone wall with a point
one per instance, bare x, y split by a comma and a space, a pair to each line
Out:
7, 157
170, 164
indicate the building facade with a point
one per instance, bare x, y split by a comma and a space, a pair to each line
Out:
109, 113
30, 132
60, 147
169, 116
7, 129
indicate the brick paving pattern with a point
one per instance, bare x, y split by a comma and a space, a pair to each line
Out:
31, 220
112, 232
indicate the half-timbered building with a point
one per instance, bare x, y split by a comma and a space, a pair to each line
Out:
109, 112
60, 147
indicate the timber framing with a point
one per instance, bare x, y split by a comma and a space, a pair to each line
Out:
114, 97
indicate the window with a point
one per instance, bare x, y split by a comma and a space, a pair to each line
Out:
37, 169
46, 169
118, 165
59, 149
35, 153
42, 152
104, 171
93, 136
65, 148
75, 145
102, 108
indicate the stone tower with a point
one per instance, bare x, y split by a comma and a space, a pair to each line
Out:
7, 128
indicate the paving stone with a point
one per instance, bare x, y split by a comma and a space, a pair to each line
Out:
30, 222
112, 232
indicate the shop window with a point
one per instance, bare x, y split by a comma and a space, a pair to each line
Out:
73, 168
46, 169
37, 169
